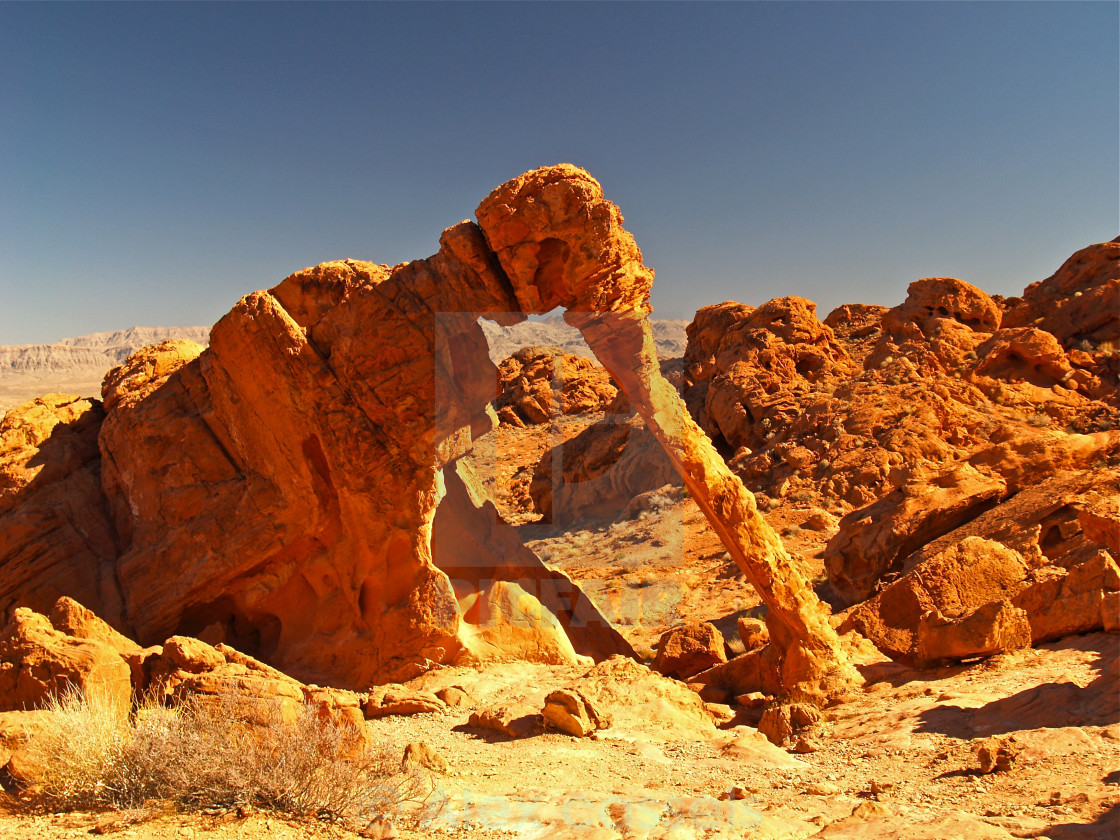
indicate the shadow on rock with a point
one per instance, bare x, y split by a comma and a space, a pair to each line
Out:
1106, 827
1049, 706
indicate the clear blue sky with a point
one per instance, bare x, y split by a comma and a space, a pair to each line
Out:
158, 161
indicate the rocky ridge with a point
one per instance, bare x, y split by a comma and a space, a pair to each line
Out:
77, 365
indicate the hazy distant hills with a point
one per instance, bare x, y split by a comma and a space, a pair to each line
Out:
553, 332
77, 365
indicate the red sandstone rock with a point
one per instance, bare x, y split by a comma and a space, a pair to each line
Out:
74, 620
384, 701
689, 649
55, 536
540, 382
955, 583
513, 719
874, 540
755, 366
571, 712
300, 522
752, 632
1078, 302
38, 662
1060, 602
993, 628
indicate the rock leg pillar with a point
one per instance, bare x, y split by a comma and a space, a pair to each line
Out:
813, 667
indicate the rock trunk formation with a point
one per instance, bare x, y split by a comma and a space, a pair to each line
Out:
562, 244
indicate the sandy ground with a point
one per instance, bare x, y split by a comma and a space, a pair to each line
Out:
901, 755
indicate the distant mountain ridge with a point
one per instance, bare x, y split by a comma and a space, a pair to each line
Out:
77, 365
669, 335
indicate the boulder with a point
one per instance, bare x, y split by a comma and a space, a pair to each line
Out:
752, 632
514, 720
38, 662
755, 367
954, 583
17, 730
1060, 602
571, 712
384, 701
994, 628
689, 649
422, 754
455, 696
71, 618
640, 700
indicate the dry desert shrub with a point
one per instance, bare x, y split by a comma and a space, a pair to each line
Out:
218, 751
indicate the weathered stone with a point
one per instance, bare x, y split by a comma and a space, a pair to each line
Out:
996, 755
955, 583
752, 632
514, 720
876, 539
38, 662
539, 383
569, 711
993, 628
70, 617
55, 535
455, 696
398, 700
689, 649
422, 754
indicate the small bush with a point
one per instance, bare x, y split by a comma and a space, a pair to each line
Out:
216, 752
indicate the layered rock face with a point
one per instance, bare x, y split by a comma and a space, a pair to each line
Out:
56, 536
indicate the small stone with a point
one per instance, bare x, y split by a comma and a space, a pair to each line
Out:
455, 696
380, 829
822, 789
571, 712
776, 726
805, 745
421, 754
996, 755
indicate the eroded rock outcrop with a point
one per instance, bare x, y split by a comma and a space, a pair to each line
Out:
597, 473
279, 490
537, 383
561, 244
56, 537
